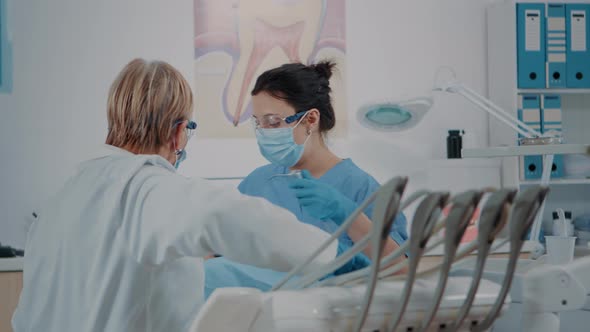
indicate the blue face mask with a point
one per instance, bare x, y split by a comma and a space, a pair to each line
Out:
180, 157
190, 130
278, 146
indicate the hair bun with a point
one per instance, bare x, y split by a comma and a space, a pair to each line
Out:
324, 68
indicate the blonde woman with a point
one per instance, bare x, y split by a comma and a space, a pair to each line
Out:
102, 247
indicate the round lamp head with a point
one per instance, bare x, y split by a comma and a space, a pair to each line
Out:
394, 116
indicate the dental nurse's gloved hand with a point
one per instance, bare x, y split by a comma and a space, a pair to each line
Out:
321, 200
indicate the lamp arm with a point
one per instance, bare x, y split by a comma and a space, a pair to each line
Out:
493, 109
503, 112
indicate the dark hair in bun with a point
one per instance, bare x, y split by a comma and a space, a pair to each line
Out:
303, 87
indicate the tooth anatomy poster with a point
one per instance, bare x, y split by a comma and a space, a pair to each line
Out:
237, 40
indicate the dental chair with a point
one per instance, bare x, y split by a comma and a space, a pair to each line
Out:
381, 297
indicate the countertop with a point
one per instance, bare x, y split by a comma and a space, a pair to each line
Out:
11, 264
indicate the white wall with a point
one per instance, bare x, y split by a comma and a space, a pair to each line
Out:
67, 52
394, 50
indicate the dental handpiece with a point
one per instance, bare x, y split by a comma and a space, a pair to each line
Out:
384, 212
395, 185
360, 275
491, 221
296, 173
284, 282
525, 208
463, 206
423, 223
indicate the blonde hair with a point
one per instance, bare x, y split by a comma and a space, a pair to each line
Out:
145, 101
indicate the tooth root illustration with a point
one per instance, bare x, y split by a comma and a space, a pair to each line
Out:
266, 38
260, 34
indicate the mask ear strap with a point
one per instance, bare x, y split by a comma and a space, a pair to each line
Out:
309, 132
301, 119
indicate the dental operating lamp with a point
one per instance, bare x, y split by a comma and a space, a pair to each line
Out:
393, 116
397, 116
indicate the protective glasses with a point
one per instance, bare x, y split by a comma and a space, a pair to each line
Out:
191, 127
275, 121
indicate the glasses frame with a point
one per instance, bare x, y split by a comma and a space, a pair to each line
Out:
288, 119
191, 127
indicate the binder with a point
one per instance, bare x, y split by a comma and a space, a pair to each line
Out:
551, 111
556, 46
531, 45
577, 54
551, 122
529, 112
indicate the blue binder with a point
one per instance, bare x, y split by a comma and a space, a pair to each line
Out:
529, 112
556, 46
551, 121
578, 54
530, 22
551, 111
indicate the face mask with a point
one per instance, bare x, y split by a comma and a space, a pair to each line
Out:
278, 146
181, 154
180, 157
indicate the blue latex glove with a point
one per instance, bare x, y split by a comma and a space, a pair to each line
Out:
321, 200
357, 262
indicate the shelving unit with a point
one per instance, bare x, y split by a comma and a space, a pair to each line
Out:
568, 193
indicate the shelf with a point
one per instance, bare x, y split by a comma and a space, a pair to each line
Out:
463, 163
526, 150
555, 91
557, 182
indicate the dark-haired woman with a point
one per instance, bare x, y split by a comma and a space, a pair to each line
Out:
292, 112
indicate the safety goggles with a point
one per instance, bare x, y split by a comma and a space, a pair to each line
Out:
191, 127
275, 121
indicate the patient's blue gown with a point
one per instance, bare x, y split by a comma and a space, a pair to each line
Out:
348, 178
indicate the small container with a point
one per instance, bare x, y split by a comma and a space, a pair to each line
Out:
563, 227
560, 249
454, 144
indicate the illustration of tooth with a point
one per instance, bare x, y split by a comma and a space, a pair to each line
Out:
261, 34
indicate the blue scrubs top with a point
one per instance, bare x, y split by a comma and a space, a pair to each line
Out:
345, 176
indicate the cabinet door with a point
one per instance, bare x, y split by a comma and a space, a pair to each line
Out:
11, 284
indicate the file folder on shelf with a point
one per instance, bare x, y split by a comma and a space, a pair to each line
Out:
529, 112
531, 45
556, 46
577, 54
551, 122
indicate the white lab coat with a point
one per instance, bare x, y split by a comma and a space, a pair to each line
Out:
118, 247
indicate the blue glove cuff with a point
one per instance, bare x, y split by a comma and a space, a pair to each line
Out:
359, 261
344, 211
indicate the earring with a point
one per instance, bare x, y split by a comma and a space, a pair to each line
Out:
308, 132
